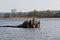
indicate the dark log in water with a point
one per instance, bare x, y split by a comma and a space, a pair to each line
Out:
26, 24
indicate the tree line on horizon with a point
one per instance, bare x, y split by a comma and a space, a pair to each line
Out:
35, 13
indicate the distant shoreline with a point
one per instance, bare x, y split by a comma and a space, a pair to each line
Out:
30, 17
19, 17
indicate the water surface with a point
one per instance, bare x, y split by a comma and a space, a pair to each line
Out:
49, 29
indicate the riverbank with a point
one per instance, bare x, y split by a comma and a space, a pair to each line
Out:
29, 17
20, 17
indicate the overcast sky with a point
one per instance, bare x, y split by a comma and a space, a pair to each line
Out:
29, 5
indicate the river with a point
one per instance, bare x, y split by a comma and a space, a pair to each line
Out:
49, 29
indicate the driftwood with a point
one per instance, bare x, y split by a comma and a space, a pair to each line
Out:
26, 24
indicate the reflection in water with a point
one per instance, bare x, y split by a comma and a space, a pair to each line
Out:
49, 30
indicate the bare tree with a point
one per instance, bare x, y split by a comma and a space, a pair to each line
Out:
7, 15
13, 11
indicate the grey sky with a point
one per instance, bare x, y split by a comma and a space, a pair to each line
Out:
29, 5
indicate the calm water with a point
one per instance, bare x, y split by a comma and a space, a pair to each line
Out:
49, 30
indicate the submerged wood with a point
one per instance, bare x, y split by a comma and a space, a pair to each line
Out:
26, 24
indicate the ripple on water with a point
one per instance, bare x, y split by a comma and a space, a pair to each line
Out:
49, 30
